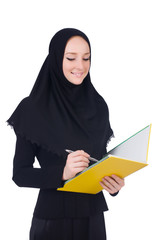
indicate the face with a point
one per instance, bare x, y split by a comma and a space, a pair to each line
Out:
76, 60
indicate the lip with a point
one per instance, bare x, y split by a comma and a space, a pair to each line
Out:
77, 74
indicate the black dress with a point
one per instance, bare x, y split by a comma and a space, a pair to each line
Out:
60, 115
65, 215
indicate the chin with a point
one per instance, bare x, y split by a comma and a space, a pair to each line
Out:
78, 82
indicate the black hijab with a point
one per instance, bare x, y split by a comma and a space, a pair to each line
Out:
58, 114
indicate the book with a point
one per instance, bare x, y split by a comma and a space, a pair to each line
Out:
126, 158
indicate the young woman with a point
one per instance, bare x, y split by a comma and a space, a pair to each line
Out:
63, 111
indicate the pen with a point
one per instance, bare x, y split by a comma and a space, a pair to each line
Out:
90, 158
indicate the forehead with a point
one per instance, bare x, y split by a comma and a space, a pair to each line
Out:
77, 44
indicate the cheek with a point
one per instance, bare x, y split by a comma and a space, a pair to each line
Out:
87, 67
66, 67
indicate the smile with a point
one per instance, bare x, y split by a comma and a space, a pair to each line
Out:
77, 74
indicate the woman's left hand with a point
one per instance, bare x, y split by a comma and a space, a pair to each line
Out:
112, 184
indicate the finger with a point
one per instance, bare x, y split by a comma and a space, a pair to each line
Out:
80, 153
109, 184
80, 159
119, 180
80, 164
79, 169
110, 181
106, 188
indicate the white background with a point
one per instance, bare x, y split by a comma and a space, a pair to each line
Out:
124, 36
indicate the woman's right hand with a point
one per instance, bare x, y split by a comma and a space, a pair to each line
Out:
76, 162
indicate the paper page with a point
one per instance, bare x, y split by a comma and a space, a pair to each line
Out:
134, 148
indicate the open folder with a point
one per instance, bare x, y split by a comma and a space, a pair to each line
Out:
126, 158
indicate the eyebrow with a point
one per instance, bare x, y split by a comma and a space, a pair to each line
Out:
76, 53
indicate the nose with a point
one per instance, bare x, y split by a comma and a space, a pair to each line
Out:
80, 64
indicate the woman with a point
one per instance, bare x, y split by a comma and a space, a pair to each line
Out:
63, 111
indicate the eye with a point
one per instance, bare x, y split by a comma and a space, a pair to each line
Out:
70, 59
86, 59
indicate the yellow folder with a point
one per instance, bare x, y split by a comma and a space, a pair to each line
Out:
128, 157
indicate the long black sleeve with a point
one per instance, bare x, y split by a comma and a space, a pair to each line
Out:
25, 175
51, 203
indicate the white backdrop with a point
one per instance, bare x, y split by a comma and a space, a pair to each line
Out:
125, 70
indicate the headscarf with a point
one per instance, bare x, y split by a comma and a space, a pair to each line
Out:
58, 114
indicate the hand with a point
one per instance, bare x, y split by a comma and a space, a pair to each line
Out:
112, 184
75, 163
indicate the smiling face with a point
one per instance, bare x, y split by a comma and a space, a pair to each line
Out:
76, 60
